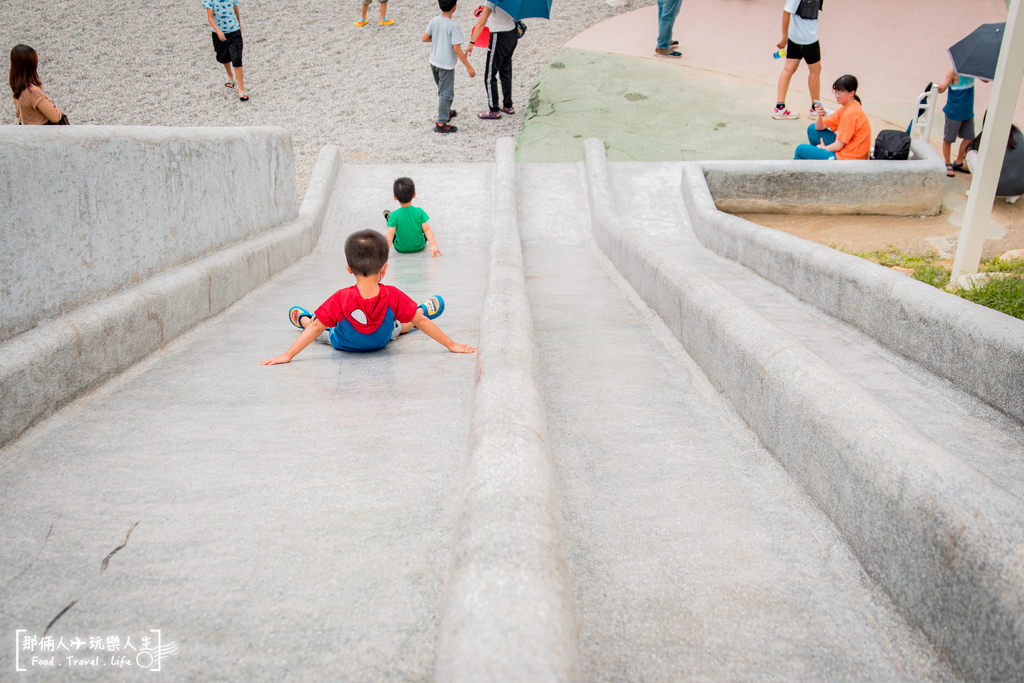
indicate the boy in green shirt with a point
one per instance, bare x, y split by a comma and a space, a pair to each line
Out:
408, 228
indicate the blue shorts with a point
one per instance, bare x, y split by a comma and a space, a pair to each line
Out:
344, 337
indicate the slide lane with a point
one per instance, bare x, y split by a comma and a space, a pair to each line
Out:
269, 520
693, 553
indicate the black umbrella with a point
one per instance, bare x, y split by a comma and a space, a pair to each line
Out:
977, 54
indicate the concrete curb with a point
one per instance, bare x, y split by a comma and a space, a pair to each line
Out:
509, 613
901, 188
942, 539
978, 349
46, 367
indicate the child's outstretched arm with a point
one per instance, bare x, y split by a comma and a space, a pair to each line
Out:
390, 237
313, 330
434, 332
462, 58
429, 234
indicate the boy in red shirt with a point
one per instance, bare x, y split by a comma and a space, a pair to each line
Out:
368, 315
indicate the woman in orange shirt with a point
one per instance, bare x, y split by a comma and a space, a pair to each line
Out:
844, 134
31, 105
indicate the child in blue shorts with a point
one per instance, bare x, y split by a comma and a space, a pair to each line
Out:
368, 315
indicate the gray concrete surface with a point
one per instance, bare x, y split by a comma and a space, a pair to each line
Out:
694, 554
48, 366
86, 211
509, 613
978, 349
944, 540
902, 188
294, 521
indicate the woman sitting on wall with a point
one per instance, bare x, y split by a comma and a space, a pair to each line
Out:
31, 105
844, 134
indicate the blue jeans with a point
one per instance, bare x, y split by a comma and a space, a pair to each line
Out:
668, 10
812, 151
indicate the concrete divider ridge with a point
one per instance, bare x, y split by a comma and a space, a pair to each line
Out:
509, 611
86, 211
44, 368
942, 539
977, 348
903, 188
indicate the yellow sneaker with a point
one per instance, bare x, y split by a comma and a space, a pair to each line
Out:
386, 22
362, 22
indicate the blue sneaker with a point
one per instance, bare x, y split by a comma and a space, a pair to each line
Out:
432, 307
297, 312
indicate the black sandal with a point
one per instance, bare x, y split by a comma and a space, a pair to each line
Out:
949, 171
962, 168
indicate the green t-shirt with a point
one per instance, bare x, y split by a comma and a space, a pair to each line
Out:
408, 224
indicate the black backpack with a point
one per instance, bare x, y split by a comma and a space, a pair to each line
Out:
892, 144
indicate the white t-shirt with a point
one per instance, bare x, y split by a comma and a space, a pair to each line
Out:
444, 34
801, 31
500, 20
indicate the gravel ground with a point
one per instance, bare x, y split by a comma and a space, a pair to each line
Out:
307, 68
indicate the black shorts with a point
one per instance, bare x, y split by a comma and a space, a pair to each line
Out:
229, 49
809, 53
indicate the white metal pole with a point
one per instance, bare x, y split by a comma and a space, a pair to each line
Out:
1006, 86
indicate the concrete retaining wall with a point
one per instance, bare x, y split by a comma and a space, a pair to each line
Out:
902, 188
977, 348
44, 368
88, 210
509, 612
941, 538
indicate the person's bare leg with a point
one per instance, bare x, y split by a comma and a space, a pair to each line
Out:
962, 154
383, 11
227, 68
362, 15
407, 327
785, 77
814, 80
946, 146
241, 88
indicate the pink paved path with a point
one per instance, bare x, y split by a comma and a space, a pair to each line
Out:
894, 47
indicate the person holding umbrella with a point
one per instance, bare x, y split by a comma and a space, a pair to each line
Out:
504, 38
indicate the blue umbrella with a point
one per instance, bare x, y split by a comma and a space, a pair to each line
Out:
522, 9
977, 54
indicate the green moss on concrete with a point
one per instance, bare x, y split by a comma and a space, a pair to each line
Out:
650, 110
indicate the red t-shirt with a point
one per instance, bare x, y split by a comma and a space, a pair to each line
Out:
366, 315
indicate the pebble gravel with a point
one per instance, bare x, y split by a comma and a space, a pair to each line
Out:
307, 68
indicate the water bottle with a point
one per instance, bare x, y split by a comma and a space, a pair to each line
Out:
779, 54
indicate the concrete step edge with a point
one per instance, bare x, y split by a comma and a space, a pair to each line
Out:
941, 538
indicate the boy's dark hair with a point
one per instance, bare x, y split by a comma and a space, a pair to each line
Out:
445, 5
366, 252
405, 190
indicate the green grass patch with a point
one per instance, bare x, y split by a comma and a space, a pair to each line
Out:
1005, 294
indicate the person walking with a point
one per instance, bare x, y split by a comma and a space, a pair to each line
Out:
668, 10
504, 38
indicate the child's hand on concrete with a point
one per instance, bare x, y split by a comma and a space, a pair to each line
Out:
434, 252
461, 348
276, 360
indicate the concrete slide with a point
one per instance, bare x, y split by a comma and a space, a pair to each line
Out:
587, 499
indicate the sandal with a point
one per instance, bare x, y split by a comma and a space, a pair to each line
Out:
243, 97
490, 115
229, 84
508, 110
386, 22
362, 22
949, 171
297, 313
962, 168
